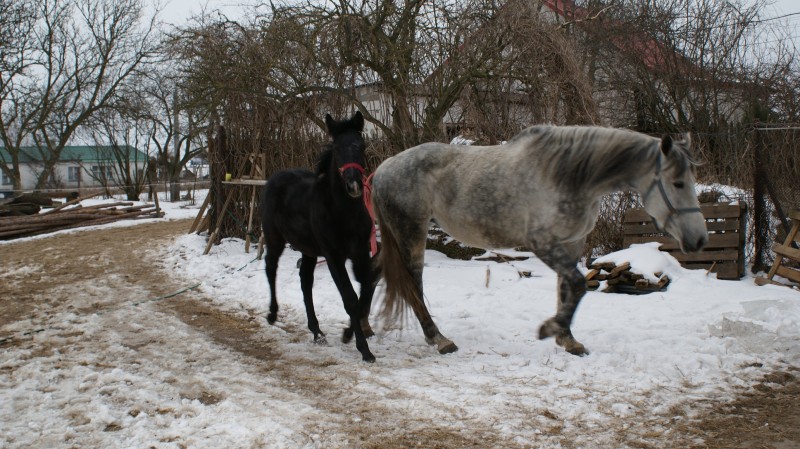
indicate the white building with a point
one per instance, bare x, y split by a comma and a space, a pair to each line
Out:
77, 167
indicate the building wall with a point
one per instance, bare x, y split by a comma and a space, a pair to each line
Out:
61, 178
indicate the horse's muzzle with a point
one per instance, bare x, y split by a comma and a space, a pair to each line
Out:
690, 245
353, 188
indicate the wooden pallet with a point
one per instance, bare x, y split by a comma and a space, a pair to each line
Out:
784, 253
724, 253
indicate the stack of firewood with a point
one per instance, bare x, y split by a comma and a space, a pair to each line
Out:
72, 215
620, 279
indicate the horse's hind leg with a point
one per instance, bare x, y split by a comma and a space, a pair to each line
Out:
307, 266
413, 254
402, 270
432, 335
571, 289
275, 248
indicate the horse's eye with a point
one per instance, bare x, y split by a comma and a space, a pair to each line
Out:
678, 184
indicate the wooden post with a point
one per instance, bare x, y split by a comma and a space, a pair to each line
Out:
760, 222
200, 214
213, 236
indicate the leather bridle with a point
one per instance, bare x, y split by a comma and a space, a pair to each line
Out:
673, 211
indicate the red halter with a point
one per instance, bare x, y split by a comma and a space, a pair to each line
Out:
367, 195
355, 165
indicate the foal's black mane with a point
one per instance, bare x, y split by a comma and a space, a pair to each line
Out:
324, 161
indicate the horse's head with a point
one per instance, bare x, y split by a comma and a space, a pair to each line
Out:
670, 197
348, 151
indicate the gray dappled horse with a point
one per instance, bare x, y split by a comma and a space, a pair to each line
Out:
541, 190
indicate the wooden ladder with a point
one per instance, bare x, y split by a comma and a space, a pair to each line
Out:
785, 251
254, 181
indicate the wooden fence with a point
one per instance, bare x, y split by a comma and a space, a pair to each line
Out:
724, 254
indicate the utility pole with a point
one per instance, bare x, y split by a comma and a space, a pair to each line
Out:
175, 166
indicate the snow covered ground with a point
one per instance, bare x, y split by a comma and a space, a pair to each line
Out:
655, 360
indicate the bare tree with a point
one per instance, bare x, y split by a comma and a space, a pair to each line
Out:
72, 60
122, 136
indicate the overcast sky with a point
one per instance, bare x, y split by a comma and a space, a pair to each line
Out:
178, 11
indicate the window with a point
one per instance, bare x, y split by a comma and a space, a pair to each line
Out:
5, 179
102, 172
73, 174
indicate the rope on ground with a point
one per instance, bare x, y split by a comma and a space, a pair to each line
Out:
183, 290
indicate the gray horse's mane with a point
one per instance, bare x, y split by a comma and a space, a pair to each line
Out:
580, 157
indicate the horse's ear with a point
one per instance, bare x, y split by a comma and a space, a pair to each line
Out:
358, 121
666, 144
329, 122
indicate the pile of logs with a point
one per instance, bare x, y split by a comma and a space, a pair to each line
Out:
72, 215
620, 279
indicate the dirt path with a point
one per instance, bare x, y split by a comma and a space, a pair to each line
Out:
43, 277
46, 278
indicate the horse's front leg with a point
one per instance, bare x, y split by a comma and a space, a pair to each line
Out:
367, 276
571, 289
307, 266
351, 304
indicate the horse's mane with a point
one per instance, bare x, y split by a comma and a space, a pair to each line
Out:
324, 160
581, 156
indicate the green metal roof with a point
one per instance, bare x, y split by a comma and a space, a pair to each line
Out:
78, 153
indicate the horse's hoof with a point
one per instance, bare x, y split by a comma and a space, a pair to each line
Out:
443, 344
272, 317
577, 349
347, 335
448, 348
549, 329
368, 357
320, 339
571, 345
366, 328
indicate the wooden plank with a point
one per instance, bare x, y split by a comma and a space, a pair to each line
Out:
637, 215
710, 212
200, 214
788, 273
723, 210
727, 271
792, 236
730, 224
786, 251
608, 266
619, 269
246, 182
794, 214
707, 256
637, 228
711, 226
715, 241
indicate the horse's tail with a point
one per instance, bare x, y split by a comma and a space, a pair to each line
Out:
401, 291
